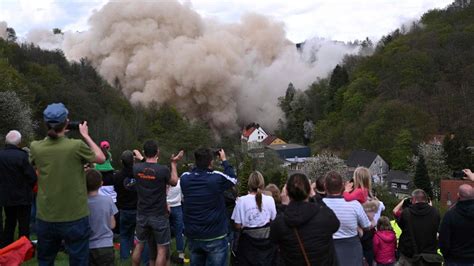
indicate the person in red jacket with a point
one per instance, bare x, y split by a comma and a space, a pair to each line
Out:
361, 186
385, 243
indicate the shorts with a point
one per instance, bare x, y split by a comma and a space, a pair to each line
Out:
157, 227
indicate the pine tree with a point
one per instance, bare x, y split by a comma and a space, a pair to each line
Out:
421, 179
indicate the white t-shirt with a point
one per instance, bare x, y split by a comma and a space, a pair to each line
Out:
174, 195
379, 212
247, 214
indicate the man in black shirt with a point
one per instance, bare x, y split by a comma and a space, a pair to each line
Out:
152, 215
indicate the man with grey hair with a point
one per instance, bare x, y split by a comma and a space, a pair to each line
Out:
456, 236
17, 178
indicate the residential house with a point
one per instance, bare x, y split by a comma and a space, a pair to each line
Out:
273, 140
252, 137
377, 165
399, 183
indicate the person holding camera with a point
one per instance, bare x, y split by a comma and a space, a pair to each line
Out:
419, 223
205, 221
62, 210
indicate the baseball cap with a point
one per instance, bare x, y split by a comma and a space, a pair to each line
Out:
104, 144
55, 113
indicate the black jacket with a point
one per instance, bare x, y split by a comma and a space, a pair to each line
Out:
425, 223
456, 236
126, 198
17, 177
316, 224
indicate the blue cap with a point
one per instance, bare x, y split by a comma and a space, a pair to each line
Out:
55, 113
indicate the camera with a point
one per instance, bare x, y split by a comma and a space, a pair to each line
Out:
459, 174
216, 152
74, 125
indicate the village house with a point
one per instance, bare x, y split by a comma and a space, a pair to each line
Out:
377, 165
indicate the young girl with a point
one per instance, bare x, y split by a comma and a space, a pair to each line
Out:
359, 189
385, 243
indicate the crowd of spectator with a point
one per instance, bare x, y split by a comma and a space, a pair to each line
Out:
83, 206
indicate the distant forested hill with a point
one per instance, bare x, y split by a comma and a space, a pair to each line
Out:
31, 78
418, 82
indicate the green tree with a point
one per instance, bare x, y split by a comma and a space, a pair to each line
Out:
421, 179
402, 151
245, 169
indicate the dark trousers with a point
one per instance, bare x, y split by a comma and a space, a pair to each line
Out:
16, 215
1, 226
76, 239
101, 256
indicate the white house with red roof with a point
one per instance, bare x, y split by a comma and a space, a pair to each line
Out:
252, 137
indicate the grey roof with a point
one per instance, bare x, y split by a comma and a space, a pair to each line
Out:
400, 181
395, 174
285, 146
361, 158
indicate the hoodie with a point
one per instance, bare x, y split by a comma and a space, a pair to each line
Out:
315, 224
456, 236
385, 244
425, 223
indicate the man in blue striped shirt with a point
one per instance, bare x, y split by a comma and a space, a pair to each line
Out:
351, 215
204, 213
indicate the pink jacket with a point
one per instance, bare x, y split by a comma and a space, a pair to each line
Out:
359, 194
385, 244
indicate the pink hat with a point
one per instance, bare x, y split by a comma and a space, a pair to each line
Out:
104, 144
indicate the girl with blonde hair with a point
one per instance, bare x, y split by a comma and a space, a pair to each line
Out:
361, 186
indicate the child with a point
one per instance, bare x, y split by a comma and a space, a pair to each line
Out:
359, 189
102, 221
366, 237
385, 243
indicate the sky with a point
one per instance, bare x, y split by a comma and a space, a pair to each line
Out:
342, 20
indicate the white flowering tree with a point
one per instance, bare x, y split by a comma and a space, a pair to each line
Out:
435, 160
14, 114
321, 164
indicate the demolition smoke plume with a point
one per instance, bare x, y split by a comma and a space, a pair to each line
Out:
223, 74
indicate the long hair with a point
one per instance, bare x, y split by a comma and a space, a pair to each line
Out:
362, 178
54, 130
272, 188
256, 184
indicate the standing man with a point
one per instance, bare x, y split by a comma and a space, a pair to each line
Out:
205, 221
421, 222
62, 210
152, 213
456, 236
351, 215
17, 178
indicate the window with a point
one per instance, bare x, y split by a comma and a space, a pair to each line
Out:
394, 185
403, 186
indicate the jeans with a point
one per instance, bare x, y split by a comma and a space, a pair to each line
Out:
76, 239
208, 253
176, 222
128, 221
13, 215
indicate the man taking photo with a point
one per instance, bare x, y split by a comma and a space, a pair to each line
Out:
205, 220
